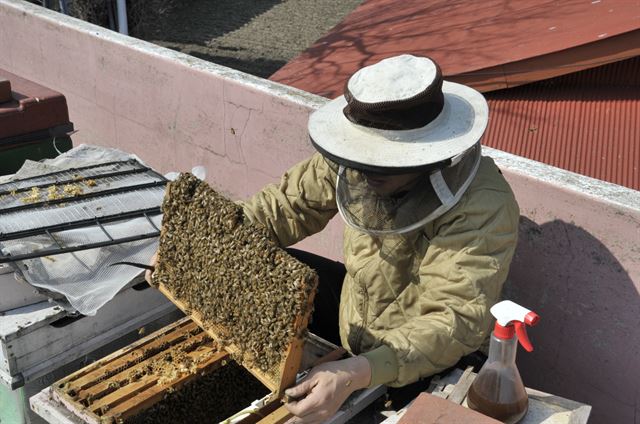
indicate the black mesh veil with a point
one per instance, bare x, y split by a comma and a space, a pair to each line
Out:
430, 195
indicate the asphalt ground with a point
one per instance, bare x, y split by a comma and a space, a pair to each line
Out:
254, 36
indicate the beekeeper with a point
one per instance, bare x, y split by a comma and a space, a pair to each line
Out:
431, 226
431, 229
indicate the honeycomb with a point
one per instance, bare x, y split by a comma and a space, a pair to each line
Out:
214, 261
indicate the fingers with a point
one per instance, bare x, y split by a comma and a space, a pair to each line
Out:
301, 389
148, 276
325, 388
302, 407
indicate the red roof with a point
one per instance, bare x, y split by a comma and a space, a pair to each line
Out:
487, 44
586, 121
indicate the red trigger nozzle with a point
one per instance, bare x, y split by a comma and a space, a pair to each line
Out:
531, 318
521, 332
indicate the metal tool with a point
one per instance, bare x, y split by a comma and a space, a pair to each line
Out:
135, 264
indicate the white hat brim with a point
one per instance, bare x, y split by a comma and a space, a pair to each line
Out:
459, 126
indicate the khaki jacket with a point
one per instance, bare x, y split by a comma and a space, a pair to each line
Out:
412, 305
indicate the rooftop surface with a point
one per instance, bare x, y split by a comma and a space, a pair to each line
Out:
488, 44
585, 122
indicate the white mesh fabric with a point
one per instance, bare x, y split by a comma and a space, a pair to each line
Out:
84, 277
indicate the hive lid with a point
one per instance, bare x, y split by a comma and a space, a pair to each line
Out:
29, 107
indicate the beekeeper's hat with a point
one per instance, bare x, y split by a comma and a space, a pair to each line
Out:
399, 116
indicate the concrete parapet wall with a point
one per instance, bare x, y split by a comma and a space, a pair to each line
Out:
578, 259
578, 265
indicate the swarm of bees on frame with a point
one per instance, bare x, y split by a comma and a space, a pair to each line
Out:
208, 399
229, 270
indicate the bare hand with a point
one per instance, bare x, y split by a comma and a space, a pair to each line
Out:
148, 275
326, 388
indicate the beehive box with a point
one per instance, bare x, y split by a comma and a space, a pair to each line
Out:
177, 374
227, 274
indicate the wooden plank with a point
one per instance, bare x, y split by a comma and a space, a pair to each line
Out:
27, 319
183, 324
5, 90
107, 400
279, 416
543, 407
551, 409
103, 385
269, 407
105, 404
130, 389
133, 398
80, 411
291, 363
461, 388
52, 412
110, 402
179, 335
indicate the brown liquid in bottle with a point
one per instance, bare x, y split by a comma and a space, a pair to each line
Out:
509, 413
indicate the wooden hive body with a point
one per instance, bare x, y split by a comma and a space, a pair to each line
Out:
128, 386
121, 385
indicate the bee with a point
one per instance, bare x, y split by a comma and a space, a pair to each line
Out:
230, 273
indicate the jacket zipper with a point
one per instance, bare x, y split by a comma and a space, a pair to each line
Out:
365, 312
365, 305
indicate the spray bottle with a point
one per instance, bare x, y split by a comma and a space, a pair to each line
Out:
498, 391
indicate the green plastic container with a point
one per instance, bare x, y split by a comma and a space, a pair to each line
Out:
38, 146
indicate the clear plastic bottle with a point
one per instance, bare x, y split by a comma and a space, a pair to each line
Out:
498, 391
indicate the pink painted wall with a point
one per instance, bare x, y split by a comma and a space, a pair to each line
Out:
578, 266
578, 259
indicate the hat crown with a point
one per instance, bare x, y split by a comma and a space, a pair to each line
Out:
399, 93
394, 79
